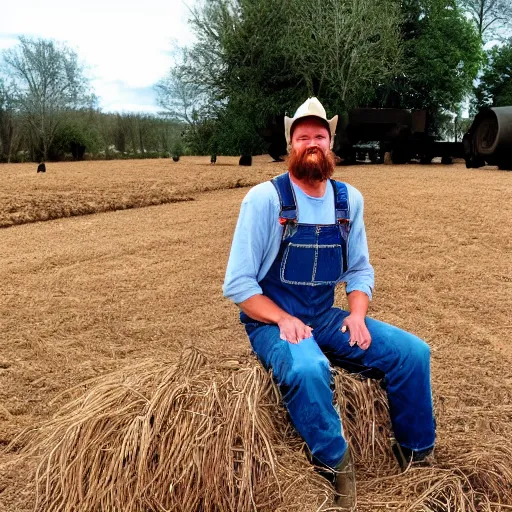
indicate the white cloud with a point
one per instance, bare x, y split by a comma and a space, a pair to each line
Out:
125, 44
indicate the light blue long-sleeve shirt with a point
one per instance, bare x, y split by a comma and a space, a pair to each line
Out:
257, 239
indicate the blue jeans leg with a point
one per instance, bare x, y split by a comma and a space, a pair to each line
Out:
403, 358
303, 375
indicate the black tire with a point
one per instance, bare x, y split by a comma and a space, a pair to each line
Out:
474, 162
275, 153
505, 166
245, 160
399, 157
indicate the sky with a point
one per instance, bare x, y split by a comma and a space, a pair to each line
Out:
126, 45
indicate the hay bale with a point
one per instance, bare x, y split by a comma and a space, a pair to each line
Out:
196, 435
204, 435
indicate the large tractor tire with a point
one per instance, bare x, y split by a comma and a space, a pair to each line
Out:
490, 138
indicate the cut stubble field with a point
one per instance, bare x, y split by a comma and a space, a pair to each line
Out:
85, 296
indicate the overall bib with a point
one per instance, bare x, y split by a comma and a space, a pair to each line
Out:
311, 261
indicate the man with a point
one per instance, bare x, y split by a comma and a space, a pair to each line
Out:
297, 237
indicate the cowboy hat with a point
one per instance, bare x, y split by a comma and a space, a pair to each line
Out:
311, 107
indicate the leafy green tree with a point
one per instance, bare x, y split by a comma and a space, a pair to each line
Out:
255, 59
75, 136
443, 53
49, 82
495, 84
177, 149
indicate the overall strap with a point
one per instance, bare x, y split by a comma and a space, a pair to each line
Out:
342, 209
288, 211
341, 202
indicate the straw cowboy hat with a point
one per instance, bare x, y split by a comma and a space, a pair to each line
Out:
311, 107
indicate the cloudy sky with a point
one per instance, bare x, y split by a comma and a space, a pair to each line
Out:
126, 45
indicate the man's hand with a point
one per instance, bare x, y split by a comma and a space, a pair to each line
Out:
359, 334
293, 330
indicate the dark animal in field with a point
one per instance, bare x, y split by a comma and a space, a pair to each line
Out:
213, 158
41, 167
175, 158
245, 160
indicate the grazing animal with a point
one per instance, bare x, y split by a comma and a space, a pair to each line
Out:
41, 167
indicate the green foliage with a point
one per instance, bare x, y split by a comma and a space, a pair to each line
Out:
495, 86
177, 148
443, 54
75, 137
255, 59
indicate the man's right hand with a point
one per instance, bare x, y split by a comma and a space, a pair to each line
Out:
293, 330
262, 309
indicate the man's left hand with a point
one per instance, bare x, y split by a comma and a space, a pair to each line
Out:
359, 334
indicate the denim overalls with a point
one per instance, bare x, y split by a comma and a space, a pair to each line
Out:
311, 261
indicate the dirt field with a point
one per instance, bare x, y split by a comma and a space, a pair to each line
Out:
83, 296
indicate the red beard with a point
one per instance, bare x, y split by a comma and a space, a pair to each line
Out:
311, 164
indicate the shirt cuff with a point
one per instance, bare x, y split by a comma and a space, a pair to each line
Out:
361, 288
241, 296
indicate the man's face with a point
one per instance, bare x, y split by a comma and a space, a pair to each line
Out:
310, 132
311, 158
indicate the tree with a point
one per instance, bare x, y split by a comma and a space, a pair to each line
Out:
489, 16
49, 82
343, 49
184, 100
255, 59
443, 54
9, 122
495, 84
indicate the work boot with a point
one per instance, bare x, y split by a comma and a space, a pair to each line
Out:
407, 457
345, 483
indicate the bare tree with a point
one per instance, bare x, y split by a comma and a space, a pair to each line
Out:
49, 82
490, 16
9, 122
180, 97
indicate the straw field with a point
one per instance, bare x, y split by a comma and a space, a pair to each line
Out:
114, 325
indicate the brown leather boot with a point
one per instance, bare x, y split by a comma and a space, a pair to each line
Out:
345, 483
408, 458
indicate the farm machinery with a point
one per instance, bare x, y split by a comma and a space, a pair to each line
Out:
370, 133
489, 139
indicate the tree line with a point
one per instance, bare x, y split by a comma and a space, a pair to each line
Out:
49, 112
256, 60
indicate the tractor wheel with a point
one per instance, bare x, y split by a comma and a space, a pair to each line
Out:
245, 160
505, 165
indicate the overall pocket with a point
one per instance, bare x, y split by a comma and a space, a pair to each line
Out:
312, 264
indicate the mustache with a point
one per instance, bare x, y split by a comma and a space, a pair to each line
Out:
302, 167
